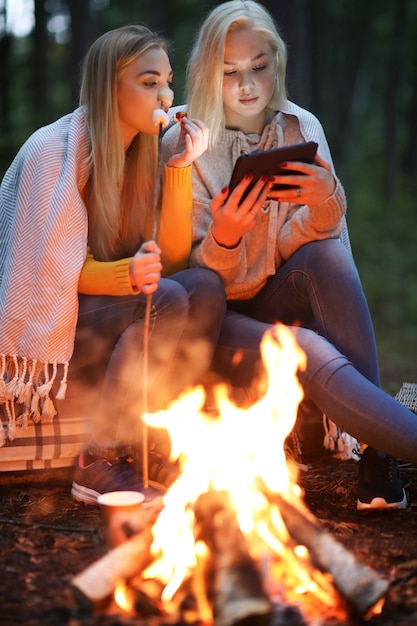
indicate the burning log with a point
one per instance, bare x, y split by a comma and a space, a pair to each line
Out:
361, 587
96, 583
239, 597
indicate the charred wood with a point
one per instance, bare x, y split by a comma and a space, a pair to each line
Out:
238, 595
98, 581
360, 586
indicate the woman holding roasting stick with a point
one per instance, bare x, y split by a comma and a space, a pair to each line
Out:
79, 259
281, 253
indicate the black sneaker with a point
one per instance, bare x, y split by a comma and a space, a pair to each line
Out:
379, 482
102, 476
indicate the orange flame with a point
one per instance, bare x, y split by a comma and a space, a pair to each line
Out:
121, 597
235, 452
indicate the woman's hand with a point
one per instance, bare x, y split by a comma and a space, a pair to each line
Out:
145, 268
232, 216
312, 187
193, 141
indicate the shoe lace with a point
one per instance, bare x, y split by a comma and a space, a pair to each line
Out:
123, 465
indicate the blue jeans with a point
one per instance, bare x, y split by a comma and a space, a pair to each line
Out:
186, 315
319, 288
318, 293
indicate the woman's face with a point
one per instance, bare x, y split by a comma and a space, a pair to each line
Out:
248, 81
137, 92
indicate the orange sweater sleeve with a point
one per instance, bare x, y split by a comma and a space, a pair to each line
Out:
174, 232
111, 278
105, 278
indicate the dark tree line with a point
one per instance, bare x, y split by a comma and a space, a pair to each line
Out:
353, 64
347, 61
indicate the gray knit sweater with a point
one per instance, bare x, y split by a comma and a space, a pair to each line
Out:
281, 228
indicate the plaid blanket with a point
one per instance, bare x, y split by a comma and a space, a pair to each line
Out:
49, 444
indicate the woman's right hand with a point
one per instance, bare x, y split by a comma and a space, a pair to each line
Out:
145, 268
192, 142
232, 218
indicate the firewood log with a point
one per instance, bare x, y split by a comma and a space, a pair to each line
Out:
98, 581
360, 586
238, 595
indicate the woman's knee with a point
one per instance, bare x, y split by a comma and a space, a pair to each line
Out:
321, 355
204, 287
210, 279
199, 279
209, 287
329, 256
171, 297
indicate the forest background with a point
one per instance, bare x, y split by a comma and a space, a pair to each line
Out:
352, 63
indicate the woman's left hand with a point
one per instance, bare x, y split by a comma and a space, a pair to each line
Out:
193, 141
311, 184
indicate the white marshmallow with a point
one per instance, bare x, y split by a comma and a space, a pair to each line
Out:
159, 117
165, 97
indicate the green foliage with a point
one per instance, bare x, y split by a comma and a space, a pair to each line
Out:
383, 235
372, 131
360, 68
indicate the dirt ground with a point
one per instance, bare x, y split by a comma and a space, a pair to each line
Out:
46, 538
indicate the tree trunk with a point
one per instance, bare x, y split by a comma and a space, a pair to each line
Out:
294, 24
393, 94
5, 85
38, 82
82, 31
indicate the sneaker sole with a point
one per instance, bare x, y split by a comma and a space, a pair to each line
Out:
381, 503
89, 496
84, 494
157, 486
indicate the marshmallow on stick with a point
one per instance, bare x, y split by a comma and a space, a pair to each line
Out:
165, 97
159, 116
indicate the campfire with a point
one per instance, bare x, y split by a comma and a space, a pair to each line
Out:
231, 542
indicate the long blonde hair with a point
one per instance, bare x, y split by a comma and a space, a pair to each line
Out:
205, 65
119, 194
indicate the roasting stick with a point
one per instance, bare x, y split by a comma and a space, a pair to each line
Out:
160, 117
145, 446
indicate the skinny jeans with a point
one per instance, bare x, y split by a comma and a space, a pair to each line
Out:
186, 314
317, 293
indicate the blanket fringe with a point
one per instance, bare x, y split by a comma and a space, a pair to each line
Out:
25, 392
61, 393
3, 436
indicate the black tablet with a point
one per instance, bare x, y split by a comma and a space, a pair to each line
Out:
267, 162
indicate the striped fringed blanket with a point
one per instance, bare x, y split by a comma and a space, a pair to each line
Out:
43, 243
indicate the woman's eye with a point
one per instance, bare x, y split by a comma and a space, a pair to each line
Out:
260, 68
230, 73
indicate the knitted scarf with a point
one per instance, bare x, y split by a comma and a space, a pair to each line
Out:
43, 244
